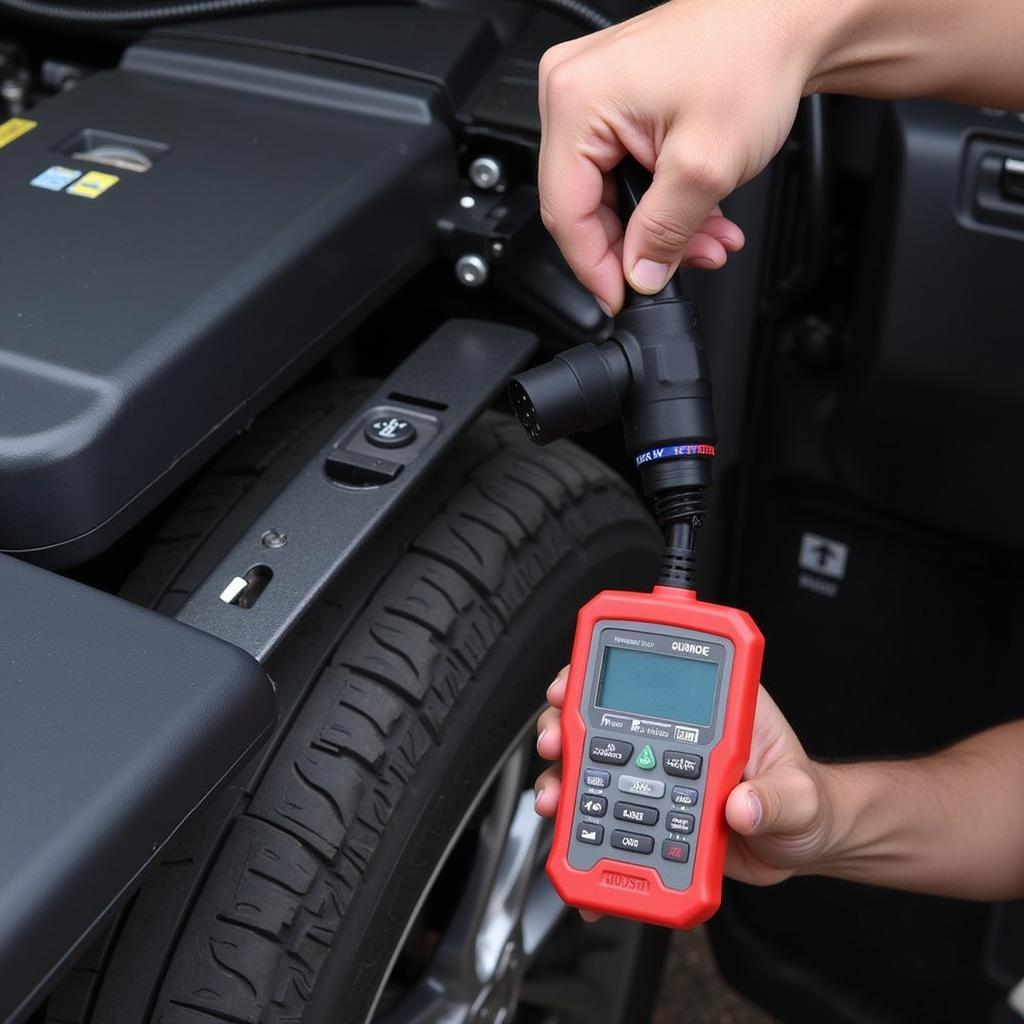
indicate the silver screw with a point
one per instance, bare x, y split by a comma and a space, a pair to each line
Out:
497, 250
467, 202
486, 172
472, 270
274, 539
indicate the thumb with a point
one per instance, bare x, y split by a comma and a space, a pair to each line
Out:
785, 800
684, 191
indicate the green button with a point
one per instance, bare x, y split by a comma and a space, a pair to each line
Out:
646, 759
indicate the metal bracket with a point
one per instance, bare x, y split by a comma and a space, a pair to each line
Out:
353, 487
483, 229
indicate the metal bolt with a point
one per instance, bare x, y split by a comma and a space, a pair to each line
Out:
486, 172
472, 270
274, 539
497, 250
467, 202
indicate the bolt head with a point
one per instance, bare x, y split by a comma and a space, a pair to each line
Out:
274, 539
472, 270
486, 172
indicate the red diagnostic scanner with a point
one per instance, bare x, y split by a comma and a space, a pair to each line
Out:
656, 728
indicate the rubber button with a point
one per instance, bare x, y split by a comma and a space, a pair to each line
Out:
592, 834
683, 796
632, 842
390, 432
606, 751
675, 850
636, 813
654, 788
679, 822
598, 778
646, 759
683, 765
594, 806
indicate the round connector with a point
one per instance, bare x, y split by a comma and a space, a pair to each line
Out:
580, 389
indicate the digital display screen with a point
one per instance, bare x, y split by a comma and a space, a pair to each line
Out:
658, 686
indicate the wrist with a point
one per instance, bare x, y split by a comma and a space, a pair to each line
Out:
847, 793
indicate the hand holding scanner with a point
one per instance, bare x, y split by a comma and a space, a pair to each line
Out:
662, 688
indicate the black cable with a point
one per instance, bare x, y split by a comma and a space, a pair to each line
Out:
146, 15
141, 16
579, 11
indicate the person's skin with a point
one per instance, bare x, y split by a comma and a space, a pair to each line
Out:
704, 92
951, 823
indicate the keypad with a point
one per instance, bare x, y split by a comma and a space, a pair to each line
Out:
593, 806
638, 813
634, 842
656, 816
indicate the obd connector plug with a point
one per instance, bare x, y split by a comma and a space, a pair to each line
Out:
653, 374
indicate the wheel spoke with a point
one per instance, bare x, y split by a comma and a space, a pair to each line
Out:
542, 912
457, 953
512, 884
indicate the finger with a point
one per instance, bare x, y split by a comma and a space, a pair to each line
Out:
686, 187
589, 916
784, 800
556, 691
546, 790
549, 735
575, 157
728, 232
704, 252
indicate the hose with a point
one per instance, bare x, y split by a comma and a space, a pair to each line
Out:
147, 15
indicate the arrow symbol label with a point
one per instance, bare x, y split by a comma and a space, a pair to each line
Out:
823, 555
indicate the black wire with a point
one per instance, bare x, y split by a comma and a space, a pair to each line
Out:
134, 17
146, 15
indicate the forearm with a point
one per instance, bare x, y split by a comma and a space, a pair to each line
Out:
964, 50
951, 823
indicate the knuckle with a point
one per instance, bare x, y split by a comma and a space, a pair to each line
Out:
703, 173
662, 230
551, 58
566, 83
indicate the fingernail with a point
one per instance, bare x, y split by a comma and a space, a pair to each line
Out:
755, 810
539, 738
604, 309
537, 796
650, 276
705, 263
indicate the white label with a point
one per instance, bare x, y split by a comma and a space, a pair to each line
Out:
823, 555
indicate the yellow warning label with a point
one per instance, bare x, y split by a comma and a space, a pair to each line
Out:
93, 184
14, 128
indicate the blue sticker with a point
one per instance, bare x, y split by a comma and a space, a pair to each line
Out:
56, 179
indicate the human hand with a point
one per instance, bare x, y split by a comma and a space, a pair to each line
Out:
703, 95
781, 815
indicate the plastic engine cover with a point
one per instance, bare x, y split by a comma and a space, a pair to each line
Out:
145, 319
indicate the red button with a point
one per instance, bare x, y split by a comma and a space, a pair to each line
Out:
676, 851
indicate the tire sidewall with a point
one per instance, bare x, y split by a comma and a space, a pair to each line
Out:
500, 700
